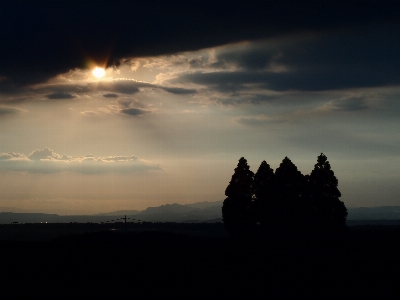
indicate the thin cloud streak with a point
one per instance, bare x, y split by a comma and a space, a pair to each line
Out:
7, 110
47, 161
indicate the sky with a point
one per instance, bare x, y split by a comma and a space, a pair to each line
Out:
189, 88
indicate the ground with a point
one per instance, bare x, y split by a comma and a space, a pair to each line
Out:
168, 263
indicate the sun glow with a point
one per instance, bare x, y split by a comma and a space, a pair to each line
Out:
98, 72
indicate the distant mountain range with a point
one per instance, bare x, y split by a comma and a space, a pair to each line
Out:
374, 213
187, 213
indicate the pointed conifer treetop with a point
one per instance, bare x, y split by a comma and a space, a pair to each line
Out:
287, 173
288, 190
323, 179
241, 182
263, 181
236, 212
323, 191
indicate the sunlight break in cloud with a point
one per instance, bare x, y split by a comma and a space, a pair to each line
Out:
48, 161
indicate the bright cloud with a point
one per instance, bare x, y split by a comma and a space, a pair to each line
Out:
47, 161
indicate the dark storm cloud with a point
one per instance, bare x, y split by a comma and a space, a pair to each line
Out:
64, 90
130, 87
250, 58
362, 57
110, 96
178, 91
122, 86
197, 62
60, 96
41, 39
122, 106
224, 81
132, 111
238, 99
127, 87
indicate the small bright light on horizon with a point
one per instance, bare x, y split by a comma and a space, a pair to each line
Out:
98, 72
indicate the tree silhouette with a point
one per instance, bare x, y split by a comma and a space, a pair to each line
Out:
289, 183
236, 212
323, 194
264, 195
285, 201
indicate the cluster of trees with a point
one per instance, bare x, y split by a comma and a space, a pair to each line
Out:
284, 200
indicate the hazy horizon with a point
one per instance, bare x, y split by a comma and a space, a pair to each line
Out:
125, 211
22, 210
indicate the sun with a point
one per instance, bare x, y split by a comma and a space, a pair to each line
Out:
98, 72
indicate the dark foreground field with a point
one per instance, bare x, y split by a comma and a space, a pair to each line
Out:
175, 264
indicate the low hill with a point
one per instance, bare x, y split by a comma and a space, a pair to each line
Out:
374, 213
189, 213
196, 212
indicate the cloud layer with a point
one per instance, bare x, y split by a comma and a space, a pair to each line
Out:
47, 161
43, 39
341, 60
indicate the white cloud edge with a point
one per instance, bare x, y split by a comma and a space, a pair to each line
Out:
47, 161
